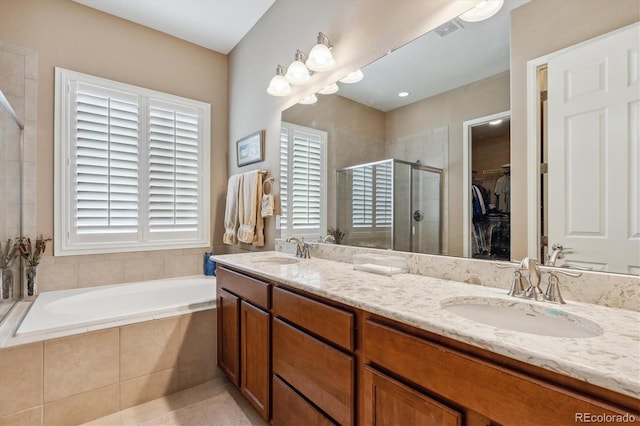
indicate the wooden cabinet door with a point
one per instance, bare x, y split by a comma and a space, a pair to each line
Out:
254, 355
290, 409
228, 335
389, 402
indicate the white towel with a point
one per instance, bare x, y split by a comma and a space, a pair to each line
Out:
258, 236
231, 210
248, 206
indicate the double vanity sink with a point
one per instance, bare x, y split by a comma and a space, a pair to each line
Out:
588, 342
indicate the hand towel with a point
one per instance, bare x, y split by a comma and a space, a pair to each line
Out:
267, 200
258, 236
248, 206
231, 209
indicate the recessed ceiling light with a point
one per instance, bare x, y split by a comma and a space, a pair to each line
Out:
403, 94
483, 10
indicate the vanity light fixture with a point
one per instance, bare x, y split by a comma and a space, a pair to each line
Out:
483, 10
403, 94
353, 77
320, 58
495, 122
279, 86
309, 100
330, 89
298, 73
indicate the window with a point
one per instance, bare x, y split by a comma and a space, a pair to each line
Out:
303, 181
131, 169
371, 196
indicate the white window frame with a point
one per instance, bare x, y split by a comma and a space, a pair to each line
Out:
316, 232
65, 241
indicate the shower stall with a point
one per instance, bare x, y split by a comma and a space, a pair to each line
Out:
11, 159
391, 204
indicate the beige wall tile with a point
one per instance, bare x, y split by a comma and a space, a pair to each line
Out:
198, 353
20, 378
82, 408
150, 346
200, 336
146, 388
81, 363
100, 273
151, 268
32, 417
197, 372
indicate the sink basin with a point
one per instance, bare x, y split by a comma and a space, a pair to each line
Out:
522, 317
277, 260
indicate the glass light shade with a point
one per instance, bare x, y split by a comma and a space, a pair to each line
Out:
309, 100
279, 86
483, 10
320, 58
353, 77
297, 73
330, 89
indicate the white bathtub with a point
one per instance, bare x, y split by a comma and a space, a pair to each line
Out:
93, 308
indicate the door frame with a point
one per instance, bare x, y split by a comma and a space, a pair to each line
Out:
467, 175
534, 138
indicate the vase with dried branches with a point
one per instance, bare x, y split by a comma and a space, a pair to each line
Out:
8, 255
31, 254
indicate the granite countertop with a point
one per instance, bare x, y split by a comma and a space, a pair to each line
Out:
610, 360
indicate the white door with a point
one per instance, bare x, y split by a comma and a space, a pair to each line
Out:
593, 153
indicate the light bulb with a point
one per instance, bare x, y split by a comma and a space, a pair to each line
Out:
297, 73
279, 86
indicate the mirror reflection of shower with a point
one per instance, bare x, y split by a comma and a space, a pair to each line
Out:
391, 204
11, 199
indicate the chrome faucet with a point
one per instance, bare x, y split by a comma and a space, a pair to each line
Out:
329, 237
302, 248
533, 291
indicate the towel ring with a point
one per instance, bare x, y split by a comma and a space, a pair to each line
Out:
267, 180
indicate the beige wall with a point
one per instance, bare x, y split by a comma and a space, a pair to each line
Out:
539, 28
360, 30
69, 35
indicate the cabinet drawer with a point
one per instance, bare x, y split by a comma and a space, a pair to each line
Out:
290, 409
333, 324
389, 402
324, 375
255, 291
476, 384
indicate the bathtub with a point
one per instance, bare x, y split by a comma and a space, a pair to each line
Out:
94, 308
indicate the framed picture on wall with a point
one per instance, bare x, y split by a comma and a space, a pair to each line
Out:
250, 149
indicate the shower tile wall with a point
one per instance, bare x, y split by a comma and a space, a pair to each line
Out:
431, 148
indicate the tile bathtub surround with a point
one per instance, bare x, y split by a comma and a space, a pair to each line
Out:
66, 272
613, 290
75, 379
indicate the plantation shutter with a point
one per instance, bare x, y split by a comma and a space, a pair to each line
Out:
106, 165
362, 196
371, 195
173, 168
302, 180
284, 176
384, 194
306, 181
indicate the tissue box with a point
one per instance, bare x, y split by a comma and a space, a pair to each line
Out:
380, 264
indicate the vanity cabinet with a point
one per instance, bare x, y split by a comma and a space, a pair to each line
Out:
409, 378
314, 367
244, 335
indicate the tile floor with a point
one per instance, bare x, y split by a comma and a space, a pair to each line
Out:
152, 409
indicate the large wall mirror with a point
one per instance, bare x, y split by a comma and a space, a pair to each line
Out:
418, 150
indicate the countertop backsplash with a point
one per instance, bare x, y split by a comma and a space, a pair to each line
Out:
612, 290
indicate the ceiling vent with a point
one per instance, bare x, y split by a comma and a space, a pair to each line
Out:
449, 28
